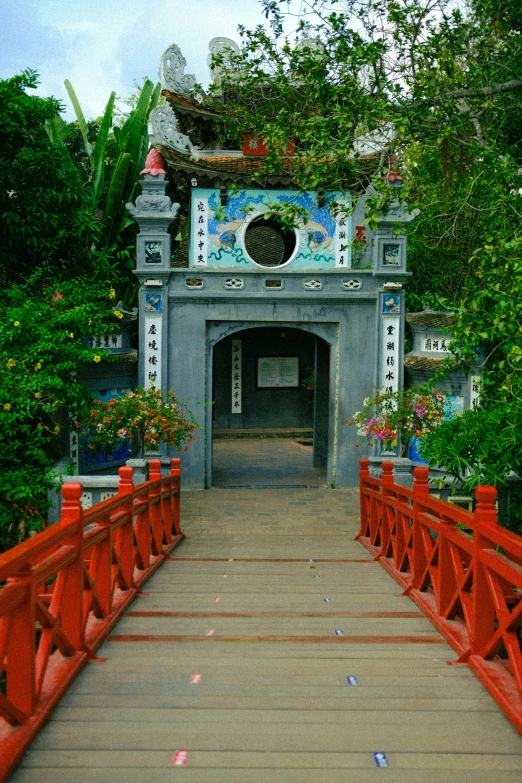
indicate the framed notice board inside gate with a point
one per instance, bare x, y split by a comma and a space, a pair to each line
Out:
277, 372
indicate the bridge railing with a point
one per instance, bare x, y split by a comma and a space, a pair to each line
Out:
461, 568
64, 589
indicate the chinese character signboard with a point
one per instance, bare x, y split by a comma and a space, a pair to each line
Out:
474, 391
152, 352
436, 344
342, 239
200, 231
236, 376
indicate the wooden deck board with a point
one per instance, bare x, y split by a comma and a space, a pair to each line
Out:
274, 711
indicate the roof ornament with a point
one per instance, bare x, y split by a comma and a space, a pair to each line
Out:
312, 44
220, 45
172, 72
164, 132
153, 164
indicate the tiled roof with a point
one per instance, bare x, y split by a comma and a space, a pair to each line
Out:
232, 165
188, 104
223, 164
416, 361
430, 318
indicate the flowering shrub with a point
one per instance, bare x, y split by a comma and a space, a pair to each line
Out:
42, 353
386, 417
145, 417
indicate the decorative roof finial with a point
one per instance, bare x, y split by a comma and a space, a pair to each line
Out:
172, 72
220, 45
153, 164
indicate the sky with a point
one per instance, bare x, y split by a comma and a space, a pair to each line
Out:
104, 45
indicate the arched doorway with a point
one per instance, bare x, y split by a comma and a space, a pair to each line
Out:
271, 408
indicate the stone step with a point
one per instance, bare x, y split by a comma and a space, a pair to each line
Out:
276, 432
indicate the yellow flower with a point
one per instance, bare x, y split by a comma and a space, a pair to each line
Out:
118, 314
38, 395
39, 426
7, 406
11, 363
57, 429
112, 293
97, 359
17, 323
71, 335
38, 366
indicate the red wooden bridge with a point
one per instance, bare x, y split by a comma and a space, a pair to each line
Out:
289, 684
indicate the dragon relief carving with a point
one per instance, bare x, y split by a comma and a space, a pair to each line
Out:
150, 206
164, 131
172, 72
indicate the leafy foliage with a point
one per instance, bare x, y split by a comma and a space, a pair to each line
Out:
44, 218
41, 352
432, 90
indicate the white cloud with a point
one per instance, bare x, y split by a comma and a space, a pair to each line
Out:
116, 43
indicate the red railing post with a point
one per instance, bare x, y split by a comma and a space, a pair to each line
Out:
421, 490
364, 475
21, 650
154, 507
388, 511
154, 470
483, 619
126, 553
175, 471
71, 619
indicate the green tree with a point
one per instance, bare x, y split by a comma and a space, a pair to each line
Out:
435, 92
44, 218
41, 352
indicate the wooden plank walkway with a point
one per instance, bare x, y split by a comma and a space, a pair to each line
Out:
273, 704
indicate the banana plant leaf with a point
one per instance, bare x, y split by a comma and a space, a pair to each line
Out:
98, 153
57, 129
80, 117
114, 205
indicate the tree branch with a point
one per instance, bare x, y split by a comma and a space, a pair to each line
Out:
495, 89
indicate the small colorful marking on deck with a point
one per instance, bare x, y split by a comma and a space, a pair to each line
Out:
224, 576
352, 681
180, 758
327, 600
380, 760
217, 600
338, 632
210, 632
230, 559
195, 679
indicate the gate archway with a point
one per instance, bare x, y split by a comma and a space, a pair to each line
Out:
282, 432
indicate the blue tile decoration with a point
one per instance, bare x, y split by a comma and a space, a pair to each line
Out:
391, 303
153, 303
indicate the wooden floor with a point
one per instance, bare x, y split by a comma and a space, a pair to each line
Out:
273, 704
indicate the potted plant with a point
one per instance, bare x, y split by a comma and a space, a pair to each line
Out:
391, 420
144, 417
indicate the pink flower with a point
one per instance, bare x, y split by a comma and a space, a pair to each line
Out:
122, 433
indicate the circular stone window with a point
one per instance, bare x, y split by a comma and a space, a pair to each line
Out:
268, 244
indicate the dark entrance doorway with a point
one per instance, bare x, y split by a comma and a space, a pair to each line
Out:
279, 436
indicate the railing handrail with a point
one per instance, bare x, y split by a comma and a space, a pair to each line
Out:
467, 580
67, 586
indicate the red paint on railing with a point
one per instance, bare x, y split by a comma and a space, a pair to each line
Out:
67, 587
462, 570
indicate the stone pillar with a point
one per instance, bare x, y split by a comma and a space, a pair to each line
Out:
154, 212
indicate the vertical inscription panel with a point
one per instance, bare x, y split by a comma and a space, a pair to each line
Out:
200, 231
342, 239
236, 376
152, 352
390, 354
